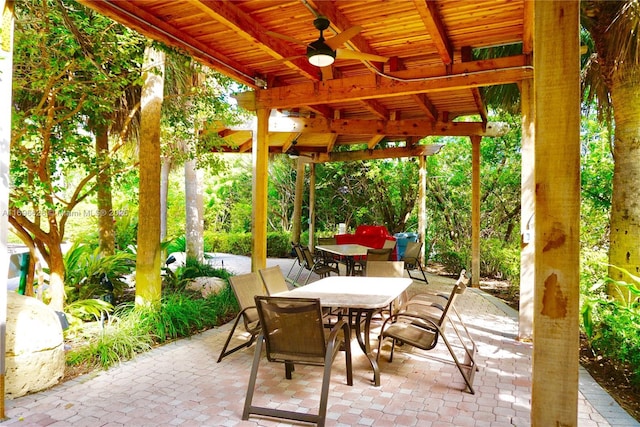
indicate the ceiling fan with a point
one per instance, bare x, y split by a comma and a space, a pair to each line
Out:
323, 53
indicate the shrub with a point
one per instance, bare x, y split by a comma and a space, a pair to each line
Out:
611, 325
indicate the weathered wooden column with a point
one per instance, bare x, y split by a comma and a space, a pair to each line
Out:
260, 156
527, 219
6, 78
422, 208
475, 211
297, 202
554, 397
312, 205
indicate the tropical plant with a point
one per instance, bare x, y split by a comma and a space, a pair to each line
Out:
90, 274
610, 77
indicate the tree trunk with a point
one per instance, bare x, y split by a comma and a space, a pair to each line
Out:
106, 231
164, 193
624, 250
148, 284
194, 215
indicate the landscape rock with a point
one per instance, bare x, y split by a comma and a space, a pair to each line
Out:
35, 358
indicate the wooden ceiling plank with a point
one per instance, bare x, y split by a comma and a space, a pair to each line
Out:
140, 20
247, 28
341, 23
428, 11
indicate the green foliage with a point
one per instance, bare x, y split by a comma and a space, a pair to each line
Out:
611, 325
85, 266
500, 261
133, 330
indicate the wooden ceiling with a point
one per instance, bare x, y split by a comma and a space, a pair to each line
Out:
429, 85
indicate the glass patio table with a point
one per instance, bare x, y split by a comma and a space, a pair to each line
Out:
361, 296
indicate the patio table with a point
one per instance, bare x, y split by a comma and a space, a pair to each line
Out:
362, 296
349, 251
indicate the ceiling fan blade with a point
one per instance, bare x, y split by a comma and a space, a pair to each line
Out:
287, 38
327, 73
352, 54
339, 39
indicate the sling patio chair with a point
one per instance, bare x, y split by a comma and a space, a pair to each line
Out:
245, 287
293, 333
319, 268
299, 262
388, 269
382, 254
412, 261
415, 327
274, 280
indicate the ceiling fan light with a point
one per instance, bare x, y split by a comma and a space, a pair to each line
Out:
320, 55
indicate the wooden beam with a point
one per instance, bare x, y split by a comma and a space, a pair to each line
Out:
368, 87
475, 211
527, 211
260, 154
402, 128
426, 106
373, 141
151, 26
385, 153
227, 13
428, 11
556, 332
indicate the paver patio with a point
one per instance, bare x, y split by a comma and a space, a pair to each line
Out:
180, 384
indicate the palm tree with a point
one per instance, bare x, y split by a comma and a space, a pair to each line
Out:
611, 78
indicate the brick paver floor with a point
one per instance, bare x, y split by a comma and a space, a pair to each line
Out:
180, 384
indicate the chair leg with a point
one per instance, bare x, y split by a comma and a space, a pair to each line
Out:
224, 352
252, 378
468, 379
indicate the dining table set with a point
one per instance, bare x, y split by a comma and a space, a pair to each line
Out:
360, 298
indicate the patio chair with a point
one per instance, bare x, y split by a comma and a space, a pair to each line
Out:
415, 327
412, 261
245, 287
321, 269
390, 244
382, 254
293, 333
273, 280
388, 269
299, 261
325, 257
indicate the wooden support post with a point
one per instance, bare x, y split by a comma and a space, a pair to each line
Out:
527, 219
554, 394
422, 209
260, 154
297, 203
312, 205
6, 77
475, 211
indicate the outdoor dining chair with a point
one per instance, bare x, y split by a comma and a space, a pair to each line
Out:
293, 333
319, 268
245, 287
412, 261
388, 269
415, 327
382, 254
273, 279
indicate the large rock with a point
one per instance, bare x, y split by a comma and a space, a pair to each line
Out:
207, 285
35, 358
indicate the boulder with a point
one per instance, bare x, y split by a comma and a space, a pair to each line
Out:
206, 285
35, 357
